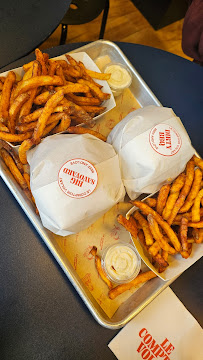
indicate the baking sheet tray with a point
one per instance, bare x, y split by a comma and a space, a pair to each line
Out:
144, 295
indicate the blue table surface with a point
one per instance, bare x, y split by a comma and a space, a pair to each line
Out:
41, 314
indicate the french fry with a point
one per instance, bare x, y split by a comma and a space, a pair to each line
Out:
31, 117
28, 73
52, 67
3, 127
193, 192
41, 59
13, 154
6, 93
82, 130
2, 79
30, 126
36, 114
145, 227
26, 108
95, 90
48, 109
97, 75
24, 147
185, 190
162, 198
187, 215
22, 128
157, 235
198, 162
82, 100
85, 76
59, 72
42, 98
94, 109
174, 193
64, 123
191, 240
99, 268
196, 207
140, 279
49, 128
156, 257
70, 59
13, 168
77, 110
183, 237
197, 225
151, 202
27, 66
74, 88
164, 225
15, 138
198, 235
42, 80
70, 72
154, 249
129, 224
15, 109
62, 63
164, 255
52, 71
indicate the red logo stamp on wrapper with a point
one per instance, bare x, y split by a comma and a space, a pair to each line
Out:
77, 178
165, 140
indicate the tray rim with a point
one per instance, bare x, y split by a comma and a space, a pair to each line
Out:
44, 233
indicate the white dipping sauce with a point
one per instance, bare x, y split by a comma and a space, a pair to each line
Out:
120, 77
120, 262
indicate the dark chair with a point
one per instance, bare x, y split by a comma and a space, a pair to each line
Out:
84, 11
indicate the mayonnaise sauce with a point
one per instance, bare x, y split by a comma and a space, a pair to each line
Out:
120, 262
120, 77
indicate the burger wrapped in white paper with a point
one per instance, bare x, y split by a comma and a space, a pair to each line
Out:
153, 147
75, 179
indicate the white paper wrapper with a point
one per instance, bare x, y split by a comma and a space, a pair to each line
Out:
67, 213
163, 330
153, 146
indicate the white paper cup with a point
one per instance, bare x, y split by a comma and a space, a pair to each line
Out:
121, 262
120, 79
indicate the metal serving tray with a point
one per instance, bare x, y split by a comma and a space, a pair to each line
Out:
149, 290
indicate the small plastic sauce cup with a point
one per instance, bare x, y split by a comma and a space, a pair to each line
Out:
120, 79
121, 262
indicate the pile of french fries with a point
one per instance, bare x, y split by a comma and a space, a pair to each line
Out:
170, 222
53, 96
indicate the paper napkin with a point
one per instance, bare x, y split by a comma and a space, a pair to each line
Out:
163, 330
